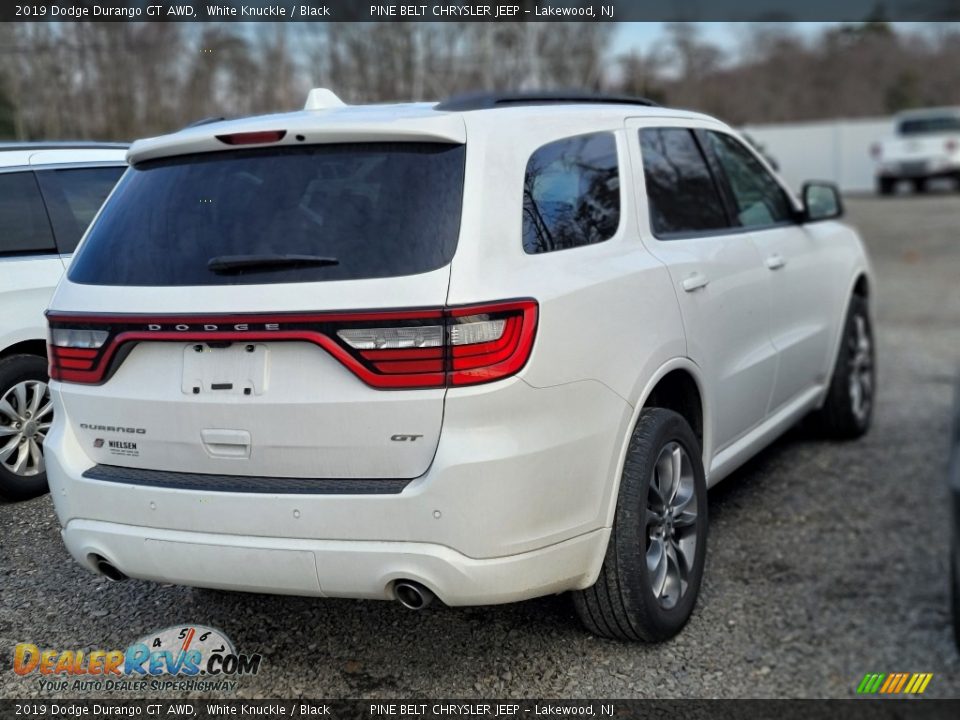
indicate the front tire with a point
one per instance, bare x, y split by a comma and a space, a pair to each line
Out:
651, 574
886, 186
920, 185
848, 409
25, 416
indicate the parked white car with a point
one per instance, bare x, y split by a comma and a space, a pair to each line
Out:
49, 193
487, 349
926, 147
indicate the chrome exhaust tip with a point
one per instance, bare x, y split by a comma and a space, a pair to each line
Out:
108, 569
412, 595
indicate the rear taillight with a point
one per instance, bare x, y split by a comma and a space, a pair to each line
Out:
876, 151
951, 146
428, 348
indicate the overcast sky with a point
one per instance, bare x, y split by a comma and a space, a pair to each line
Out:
643, 35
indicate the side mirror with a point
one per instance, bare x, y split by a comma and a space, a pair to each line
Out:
821, 201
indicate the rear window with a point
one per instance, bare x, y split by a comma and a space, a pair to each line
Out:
928, 125
378, 209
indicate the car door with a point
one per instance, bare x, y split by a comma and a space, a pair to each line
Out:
718, 275
802, 293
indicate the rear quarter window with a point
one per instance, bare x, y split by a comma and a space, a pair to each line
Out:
379, 209
571, 193
73, 197
24, 227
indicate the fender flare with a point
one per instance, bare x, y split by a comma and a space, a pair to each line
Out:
860, 271
638, 404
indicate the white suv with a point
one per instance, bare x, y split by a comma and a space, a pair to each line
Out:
49, 193
486, 349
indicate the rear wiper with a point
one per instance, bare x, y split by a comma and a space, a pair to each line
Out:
226, 264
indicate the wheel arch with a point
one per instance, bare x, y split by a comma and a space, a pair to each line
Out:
676, 385
26, 347
860, 286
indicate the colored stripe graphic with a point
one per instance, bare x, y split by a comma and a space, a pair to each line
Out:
894, 683
870, 683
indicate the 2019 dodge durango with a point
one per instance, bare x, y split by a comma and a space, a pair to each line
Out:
485, 349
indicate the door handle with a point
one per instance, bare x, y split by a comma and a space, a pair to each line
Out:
695, 281
776, 261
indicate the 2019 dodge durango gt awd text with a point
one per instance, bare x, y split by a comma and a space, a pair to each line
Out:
486, 349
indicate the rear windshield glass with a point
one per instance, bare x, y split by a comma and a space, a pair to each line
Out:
934, 124
376, 209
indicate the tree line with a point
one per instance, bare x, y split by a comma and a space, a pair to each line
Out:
124, 80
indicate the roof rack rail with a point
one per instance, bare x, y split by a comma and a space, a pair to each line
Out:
61, 145
489, 100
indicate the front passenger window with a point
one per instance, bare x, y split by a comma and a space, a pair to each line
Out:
760, 201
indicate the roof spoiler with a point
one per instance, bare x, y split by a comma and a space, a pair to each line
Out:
322, 99
488, 100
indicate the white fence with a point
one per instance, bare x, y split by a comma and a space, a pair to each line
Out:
835, 150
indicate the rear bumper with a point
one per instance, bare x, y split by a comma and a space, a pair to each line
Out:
332, 568
516, 504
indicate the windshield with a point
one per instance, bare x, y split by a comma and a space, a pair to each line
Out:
378, 209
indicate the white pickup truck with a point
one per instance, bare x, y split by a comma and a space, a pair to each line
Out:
926, 146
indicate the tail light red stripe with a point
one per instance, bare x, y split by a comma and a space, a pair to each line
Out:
68, 352
411, 366
407, 354
74, 363
390, 368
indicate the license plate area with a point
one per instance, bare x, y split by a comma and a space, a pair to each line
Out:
234, 369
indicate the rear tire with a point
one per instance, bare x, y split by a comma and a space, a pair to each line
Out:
886, 186
24, 421
651, 574
848, 409
920, 185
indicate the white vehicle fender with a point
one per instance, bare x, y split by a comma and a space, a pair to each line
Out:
860, 270
638, 402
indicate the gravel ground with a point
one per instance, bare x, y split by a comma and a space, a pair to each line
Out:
826, 560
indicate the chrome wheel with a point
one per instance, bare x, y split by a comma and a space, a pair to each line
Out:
25, 416
861, 368
671, 525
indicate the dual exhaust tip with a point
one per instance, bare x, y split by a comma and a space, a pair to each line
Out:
108, 569
413, 595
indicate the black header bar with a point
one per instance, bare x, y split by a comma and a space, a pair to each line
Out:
502, 11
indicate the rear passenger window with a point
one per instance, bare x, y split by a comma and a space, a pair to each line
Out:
682, 194
760, 199
24, 228
571, 194
73, 197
